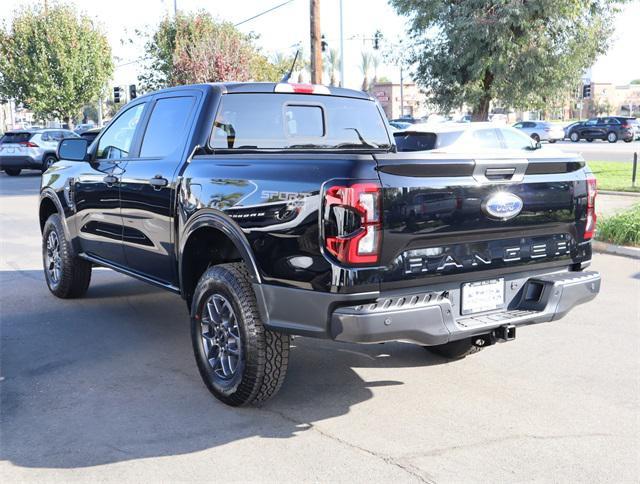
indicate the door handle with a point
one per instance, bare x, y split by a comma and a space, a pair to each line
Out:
158, 182
110, 180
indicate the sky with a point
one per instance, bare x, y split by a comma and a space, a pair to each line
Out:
283, 28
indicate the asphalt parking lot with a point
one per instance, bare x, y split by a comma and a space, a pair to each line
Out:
105, 389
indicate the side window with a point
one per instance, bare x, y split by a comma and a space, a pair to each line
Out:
612, 121
487, 139
518, 125
46, 136
515, 140
167, 126
116, 141
591, 122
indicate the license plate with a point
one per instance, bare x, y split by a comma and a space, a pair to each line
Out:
482, 296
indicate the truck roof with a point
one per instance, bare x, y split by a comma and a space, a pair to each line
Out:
268, 87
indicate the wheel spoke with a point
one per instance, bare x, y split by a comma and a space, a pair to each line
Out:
221, 338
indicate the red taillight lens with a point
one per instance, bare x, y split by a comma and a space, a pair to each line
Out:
353, 222
28, 144
592, 191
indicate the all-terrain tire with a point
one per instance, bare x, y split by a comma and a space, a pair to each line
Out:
264, 356
455, 350
73, 274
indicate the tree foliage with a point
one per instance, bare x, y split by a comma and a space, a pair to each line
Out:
194, 48
53, 62
517, 51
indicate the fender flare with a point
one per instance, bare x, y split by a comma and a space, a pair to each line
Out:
218, 220
52, 195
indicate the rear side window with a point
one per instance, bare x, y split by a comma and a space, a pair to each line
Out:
486, 139
247, 121
415, 141
515, 140
167, 128
16, 138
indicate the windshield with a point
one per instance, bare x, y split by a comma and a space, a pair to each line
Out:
297, 121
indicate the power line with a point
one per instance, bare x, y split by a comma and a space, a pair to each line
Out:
262, 13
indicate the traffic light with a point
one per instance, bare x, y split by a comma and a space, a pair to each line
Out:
116, 94
323, 43
132, 92
377, 37
586, 90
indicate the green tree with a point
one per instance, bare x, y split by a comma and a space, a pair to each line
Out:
53, 62
519, 52
193, 47
332, 65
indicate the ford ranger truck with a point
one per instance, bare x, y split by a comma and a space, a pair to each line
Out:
284, 209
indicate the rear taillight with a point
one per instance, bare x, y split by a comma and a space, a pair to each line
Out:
592, 191
352, 222
28, 144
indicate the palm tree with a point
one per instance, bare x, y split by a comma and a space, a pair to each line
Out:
365, 67
332, 65
375, 60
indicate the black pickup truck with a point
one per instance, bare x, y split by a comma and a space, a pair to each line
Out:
285, 209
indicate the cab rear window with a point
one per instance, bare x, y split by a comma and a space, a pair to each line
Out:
250, 121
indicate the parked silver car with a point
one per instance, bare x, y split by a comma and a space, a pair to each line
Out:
30, 149
541, 130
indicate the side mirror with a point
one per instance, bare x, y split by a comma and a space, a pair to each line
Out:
73, 149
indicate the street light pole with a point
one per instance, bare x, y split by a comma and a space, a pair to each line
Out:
341, 48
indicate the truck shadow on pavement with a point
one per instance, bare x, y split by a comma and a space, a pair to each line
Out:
111, 377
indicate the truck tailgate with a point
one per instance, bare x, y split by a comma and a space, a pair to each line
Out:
446, 215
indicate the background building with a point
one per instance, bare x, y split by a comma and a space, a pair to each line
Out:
388, 95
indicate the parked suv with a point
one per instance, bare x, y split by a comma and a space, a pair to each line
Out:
611, 128
30, 149
541, 130
279, 209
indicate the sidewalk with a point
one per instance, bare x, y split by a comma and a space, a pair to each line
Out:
610, 203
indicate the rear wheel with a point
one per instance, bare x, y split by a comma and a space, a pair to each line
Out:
455, 350
67, 276
12, 171
240, 361
612, 137
535, 137
552, 141
590, 140
575, 137
48, 161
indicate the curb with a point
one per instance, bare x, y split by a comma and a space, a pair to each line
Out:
607, 248
622, 194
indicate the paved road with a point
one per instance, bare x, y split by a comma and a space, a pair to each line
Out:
105, 388
599, 150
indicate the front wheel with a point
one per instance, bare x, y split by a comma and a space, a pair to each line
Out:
12, 171
48, 161
67, 276
535, 138
575, 137
612, 137
240, 361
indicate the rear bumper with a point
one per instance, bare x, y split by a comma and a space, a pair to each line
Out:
19, 162
430, 316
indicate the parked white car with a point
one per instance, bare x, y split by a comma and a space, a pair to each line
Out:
541, 130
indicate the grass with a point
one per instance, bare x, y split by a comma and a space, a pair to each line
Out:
621, 229
613, 175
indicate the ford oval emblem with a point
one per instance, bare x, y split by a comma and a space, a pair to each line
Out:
503, 205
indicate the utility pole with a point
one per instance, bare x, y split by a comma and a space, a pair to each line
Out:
316, 49
341, 48
401, 91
